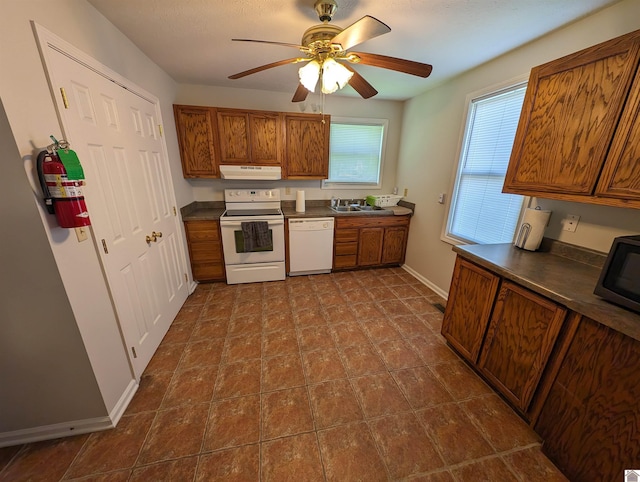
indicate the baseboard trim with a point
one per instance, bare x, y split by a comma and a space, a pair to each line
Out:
426, 282
46, 432
74, 427
116, 413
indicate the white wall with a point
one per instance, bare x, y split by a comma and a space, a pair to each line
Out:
72, 270
431, 141
207, 190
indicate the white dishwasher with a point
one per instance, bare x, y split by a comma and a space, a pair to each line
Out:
310, 246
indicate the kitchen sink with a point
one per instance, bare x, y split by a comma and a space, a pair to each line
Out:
346, 209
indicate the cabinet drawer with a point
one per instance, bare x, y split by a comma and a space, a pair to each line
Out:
341, 262
346, 235
208, 271
346, 248
203, 231
205, 252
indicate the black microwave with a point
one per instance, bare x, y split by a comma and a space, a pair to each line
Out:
619, 281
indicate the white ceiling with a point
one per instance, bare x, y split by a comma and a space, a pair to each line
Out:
191, 39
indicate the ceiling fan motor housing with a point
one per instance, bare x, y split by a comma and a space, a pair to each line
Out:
325, 9
321, 34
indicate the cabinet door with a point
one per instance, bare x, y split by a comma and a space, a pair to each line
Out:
205, 250
471, 296
568, 119
307, 146
590, 421
523, 329
370, 246
621, 175
196, 133
395, 245
265, 137
233, 129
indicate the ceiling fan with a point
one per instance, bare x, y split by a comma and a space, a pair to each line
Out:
325, 48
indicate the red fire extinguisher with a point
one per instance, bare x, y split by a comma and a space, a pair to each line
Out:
62, 195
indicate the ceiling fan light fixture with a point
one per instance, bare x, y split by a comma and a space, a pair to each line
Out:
309, 75
334, 76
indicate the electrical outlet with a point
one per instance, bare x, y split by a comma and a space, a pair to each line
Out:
406, 191
287, 190
81, 234
570, 223
441, 198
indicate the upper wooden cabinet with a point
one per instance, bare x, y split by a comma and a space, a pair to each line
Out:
307, 146
210, 136
577, 139
196, 128
250, 137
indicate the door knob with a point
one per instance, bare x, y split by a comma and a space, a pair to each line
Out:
156, 235
149, 239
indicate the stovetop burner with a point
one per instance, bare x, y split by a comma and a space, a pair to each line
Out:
253, 212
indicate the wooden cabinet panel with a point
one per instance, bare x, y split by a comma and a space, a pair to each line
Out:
307, 146
522, 332
233, 130
196, 133
473, 290
249, 137
394, 245
591, 419
621, 174
265, 136
574, 109
370, 246
205, 250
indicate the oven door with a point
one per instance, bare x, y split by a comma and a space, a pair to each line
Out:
234, 248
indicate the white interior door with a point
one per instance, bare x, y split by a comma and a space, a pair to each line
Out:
116, 134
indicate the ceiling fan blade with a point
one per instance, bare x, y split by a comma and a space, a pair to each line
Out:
360, 85
264, 67
301, 94
364, 29
283, 44
393, 63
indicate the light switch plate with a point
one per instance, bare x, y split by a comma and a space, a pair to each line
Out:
81, 234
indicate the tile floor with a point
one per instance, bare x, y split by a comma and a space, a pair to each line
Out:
331, 377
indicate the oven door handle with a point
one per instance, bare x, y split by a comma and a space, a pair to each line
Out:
238, 223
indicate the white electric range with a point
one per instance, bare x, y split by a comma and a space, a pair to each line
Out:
259, 257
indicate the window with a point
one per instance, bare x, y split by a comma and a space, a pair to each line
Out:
356, 153
479, 211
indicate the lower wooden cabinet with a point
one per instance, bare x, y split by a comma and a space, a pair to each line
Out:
504, 330
473, 290
368, 241
205, 250
521, 334
590, 421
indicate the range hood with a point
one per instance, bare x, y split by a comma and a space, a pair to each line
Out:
251, 173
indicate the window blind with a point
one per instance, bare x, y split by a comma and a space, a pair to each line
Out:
355, 153
481, 213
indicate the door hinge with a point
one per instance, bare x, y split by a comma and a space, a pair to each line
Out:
175, 213
65, 101
186, 278
133, 349
160, 129
104, 246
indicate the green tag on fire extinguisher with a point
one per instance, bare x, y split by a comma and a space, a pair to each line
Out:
71, 164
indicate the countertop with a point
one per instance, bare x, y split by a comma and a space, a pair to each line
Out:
208, 210
567, 281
